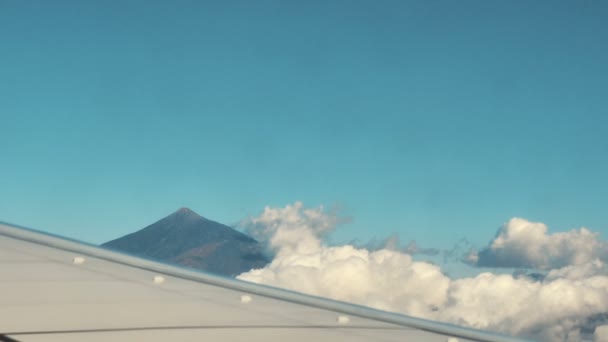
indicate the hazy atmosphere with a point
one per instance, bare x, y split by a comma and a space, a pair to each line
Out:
436, 158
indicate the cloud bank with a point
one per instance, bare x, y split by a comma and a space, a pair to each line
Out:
521, 243
567, 304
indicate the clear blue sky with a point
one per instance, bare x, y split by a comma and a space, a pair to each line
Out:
433, 119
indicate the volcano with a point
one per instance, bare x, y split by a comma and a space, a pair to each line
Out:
188, 239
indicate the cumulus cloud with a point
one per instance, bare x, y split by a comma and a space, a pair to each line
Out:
578, 272
380, 278
293, 229
554, 310
521, 243
601, 334
567, 304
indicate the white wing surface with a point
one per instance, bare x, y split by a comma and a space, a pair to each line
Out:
56, 289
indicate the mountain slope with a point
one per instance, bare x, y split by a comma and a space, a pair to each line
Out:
188, 239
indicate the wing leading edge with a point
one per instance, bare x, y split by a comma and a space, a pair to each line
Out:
57, 289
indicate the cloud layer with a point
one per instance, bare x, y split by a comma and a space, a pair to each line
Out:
521, 243
566, 305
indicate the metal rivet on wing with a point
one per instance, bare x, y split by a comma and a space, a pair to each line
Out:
78, 260
246, 299
159, 279
343, 320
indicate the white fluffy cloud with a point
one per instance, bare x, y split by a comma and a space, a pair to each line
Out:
293, 229
521, 243
601, 334
554, 310
578, 272
565, 306
383, 279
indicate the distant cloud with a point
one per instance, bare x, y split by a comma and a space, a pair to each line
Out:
455, 254
393, 243
566, 304
412, 248
525, 244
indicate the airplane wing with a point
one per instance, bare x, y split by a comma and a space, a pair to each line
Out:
57, 289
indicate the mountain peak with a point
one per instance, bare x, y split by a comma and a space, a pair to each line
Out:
189, 239
185, 212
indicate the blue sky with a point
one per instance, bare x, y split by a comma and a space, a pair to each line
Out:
436, 120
